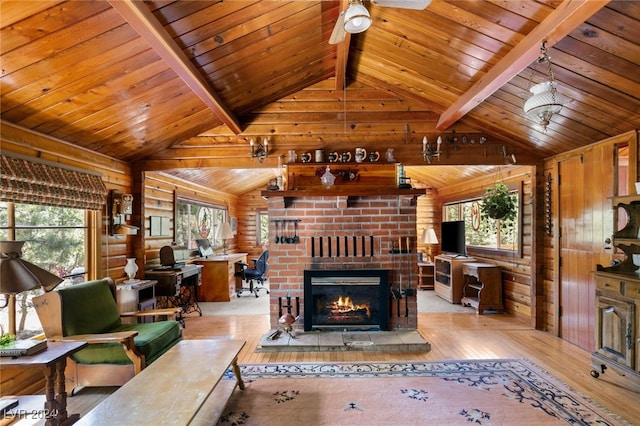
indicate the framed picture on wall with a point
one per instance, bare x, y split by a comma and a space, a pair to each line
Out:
234, 225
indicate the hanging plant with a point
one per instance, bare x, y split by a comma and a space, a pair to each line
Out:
498, 203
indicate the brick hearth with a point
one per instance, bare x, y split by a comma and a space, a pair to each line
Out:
388, 219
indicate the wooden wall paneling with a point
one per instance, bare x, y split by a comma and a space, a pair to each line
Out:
159, 191
248, 206
428, 215
522, 266
593, 227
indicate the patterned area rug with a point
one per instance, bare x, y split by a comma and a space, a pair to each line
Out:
487, 392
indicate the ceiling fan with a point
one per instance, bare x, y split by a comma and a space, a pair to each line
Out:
356, 19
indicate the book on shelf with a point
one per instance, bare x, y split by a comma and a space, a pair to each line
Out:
23, 347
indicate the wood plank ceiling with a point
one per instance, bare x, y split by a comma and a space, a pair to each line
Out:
182, 86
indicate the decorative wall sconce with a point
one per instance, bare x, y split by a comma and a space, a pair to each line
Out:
509, 158
453, 139
545, 100
429, 150
260, 151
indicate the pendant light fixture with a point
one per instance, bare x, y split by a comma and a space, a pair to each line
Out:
356, 17
545, 100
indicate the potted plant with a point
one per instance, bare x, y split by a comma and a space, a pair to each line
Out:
498, 203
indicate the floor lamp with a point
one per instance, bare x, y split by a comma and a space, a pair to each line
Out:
17, 275
429, 238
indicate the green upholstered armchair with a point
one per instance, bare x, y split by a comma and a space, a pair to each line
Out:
116, 351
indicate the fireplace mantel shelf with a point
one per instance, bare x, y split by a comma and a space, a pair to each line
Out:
342, 192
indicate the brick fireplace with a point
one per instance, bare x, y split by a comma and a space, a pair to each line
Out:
339, 232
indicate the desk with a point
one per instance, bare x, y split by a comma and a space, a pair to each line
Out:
178, 286
181, 387
482, 286
219, 280
52, 361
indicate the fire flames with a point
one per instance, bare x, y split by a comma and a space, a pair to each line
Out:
345, 306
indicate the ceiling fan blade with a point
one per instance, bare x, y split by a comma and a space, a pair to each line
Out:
403, 4
338, 33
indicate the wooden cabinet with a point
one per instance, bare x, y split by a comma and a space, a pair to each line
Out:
138, 296
449, 281
482, 287
219, 280
617, 340
426, 276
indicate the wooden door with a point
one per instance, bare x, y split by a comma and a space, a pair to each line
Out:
585, 218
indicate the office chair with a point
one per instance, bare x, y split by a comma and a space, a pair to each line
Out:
257, 273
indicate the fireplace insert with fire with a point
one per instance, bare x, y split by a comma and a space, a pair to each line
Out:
354, 299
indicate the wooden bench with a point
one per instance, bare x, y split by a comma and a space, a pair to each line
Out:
182, 387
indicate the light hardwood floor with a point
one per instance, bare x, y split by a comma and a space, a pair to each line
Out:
452, 336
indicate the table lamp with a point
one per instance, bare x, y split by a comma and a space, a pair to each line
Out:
429, 238
224, 233
17, 275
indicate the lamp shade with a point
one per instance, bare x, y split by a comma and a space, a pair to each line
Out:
544, 102
224, 232
356, 18
328, 179
17, 275
429, 236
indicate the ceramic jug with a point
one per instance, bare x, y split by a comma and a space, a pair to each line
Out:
374, 156
361, 155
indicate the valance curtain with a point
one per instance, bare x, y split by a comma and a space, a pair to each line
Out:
25, 181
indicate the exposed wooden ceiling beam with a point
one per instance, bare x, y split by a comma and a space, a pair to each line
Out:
342, 60
342, 54
144, 23
564, 19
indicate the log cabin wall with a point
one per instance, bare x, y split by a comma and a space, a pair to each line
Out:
249, 204
518, 277
159, 190
428, 215
592, 183
116, 175
113, 250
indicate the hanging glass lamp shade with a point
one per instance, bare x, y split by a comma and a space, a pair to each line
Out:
544, 102
328, 179
356, 18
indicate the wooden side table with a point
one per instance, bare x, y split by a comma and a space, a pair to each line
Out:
483, 287
52, 361
426, 276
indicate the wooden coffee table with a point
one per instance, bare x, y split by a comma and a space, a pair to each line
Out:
175, 388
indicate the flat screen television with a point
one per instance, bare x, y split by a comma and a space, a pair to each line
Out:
452, 238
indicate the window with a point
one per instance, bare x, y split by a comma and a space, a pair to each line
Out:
55, 240
196, 220
485, 234
262, 227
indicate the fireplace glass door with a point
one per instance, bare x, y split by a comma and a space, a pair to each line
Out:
346, 299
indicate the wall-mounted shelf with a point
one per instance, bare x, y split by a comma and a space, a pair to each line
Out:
347, 192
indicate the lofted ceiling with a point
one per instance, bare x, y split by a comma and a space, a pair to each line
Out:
182, 86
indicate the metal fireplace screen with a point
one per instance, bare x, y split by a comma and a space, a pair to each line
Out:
346, 299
